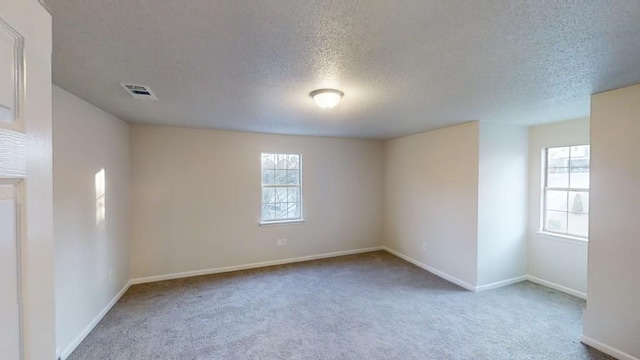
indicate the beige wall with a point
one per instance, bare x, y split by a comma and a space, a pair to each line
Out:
92, 261
196, 198
502, 204
555, 261
431, 200
612, 317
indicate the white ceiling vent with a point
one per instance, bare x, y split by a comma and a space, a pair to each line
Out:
139, 91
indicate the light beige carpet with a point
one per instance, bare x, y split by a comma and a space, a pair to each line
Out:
369, 306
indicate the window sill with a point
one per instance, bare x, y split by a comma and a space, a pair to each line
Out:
281, 222
560, 237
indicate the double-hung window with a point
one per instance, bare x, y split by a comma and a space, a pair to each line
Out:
566, 191
281, 188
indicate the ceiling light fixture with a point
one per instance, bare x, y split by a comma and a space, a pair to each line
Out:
326, 98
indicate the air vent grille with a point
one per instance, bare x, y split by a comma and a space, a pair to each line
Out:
139, 91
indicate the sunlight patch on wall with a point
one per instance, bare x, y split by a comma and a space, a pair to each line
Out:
100, 197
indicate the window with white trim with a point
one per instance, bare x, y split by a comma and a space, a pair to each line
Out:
281, 187
566, 191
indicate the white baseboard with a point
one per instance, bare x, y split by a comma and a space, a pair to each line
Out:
593, 343
430, 269
558, 287
186, 274
74, 344
83, 334
498, 284
620, 355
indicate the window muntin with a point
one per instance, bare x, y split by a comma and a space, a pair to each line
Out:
566, 190
281, 187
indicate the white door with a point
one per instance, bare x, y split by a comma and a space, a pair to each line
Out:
12, 171
26, 283
10, 308
12, 166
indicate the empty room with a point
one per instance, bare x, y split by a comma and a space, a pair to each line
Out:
284, 179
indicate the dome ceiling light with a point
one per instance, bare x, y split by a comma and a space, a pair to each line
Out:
326, 98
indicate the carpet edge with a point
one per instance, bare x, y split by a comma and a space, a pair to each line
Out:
558, 287
620, 355
501, 283
185, 274
430, 269
83, 334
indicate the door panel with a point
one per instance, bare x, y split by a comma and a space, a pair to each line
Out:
10, 329
11, 74
13, 152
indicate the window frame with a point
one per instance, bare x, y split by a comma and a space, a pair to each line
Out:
281, 221
568, 189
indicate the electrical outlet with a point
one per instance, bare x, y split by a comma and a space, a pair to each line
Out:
281, 242
424, 246
110, 276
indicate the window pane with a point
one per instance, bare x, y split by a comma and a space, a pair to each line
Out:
268, 161
293, 177
281, 195
268, 195
268, 212
281, 177
281, 211
580, 151
558, 163
556, 200
556, 221
294, 161
293, 195
558, 152
293, 211
580, 162
579, 202
268, 177
281, 161
579, 224
580, 178
558, 177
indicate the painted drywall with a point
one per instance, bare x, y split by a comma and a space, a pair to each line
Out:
556, 260
196, 198
612, 317
91, 259
502, 203
431, 199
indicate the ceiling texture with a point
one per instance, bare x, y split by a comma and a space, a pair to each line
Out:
404, 66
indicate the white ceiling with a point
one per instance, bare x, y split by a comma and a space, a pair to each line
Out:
404, 66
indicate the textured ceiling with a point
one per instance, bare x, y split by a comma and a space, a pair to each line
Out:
404, 66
